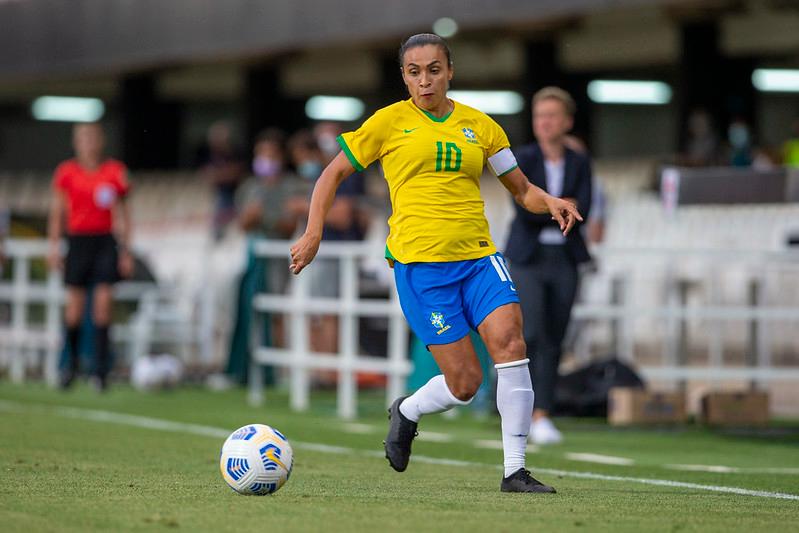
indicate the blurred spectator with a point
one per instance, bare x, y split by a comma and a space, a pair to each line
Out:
269, 205
90, 191
5, 230
544, 262
595, 223
325, 134
702, 145
740, 141
271, 202
594, 226
790, 149
222, 166
341, 224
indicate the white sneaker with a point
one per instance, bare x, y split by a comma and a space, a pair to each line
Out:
543, 431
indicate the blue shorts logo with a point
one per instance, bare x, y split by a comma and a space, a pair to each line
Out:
437, 319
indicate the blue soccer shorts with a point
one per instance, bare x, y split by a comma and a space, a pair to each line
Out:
443, 301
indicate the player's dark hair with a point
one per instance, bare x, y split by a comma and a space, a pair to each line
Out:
424, 39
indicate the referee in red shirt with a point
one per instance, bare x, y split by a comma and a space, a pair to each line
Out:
90, 192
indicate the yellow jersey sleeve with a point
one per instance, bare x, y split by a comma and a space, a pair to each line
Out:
496, 138
366, 144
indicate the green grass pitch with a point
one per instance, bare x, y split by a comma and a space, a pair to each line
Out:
73, 462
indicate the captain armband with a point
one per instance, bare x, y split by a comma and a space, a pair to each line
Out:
502, 162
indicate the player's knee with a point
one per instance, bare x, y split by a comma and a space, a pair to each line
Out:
512, 348
465, 387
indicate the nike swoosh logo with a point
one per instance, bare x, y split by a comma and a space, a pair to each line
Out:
410, 130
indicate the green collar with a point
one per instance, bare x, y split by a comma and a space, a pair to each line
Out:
431, 116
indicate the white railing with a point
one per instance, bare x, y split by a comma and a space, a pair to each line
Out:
298, 305
24, 344
670, 268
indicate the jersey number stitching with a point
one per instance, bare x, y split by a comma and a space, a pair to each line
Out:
450, 163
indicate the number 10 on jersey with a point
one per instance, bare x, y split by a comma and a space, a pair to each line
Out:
452, 160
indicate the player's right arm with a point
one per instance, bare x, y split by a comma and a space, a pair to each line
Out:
304, 250
359, 149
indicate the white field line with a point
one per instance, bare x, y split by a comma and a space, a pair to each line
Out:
433, 436
361, 429
721, 469
602, 459
497, 445
210, 431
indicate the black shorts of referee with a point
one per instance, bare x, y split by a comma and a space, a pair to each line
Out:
91, 260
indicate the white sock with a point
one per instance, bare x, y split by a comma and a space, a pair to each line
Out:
515, 403
433, 397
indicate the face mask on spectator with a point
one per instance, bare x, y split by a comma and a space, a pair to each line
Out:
310, 170
266, 167
739, 136
328, 144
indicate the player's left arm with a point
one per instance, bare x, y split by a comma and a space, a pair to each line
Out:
536, 200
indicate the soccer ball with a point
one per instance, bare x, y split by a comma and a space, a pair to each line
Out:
256, 459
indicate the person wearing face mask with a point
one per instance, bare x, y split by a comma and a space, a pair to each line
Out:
270, 202
341, 224
740, 143
269, 205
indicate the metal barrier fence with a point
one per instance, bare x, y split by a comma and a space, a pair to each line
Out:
25, 344
677, 273
666, 268
772, 286
298, 305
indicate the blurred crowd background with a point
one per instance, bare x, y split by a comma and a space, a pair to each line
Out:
226, 113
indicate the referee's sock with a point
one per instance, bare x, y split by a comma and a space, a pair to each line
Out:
73, 335
433, 397
102, 349
515, 404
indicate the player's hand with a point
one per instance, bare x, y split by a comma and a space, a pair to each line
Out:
125, 264
54, 260
564, 213
303, 252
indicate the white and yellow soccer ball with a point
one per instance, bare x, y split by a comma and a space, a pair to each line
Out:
256, 459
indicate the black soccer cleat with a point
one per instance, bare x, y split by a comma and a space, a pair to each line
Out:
401, 433
522, 481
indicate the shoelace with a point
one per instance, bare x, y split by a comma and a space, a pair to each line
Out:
527, 476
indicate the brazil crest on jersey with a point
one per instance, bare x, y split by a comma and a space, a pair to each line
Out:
433, 168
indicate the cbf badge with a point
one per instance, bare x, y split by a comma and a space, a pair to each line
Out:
437, 319
471, 137
104, 196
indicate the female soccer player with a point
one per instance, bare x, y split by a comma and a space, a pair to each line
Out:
449, 275
90, 189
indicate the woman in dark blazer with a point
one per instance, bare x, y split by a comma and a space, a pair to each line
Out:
543, 262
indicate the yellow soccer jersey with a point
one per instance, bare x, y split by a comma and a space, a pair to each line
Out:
433, 168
